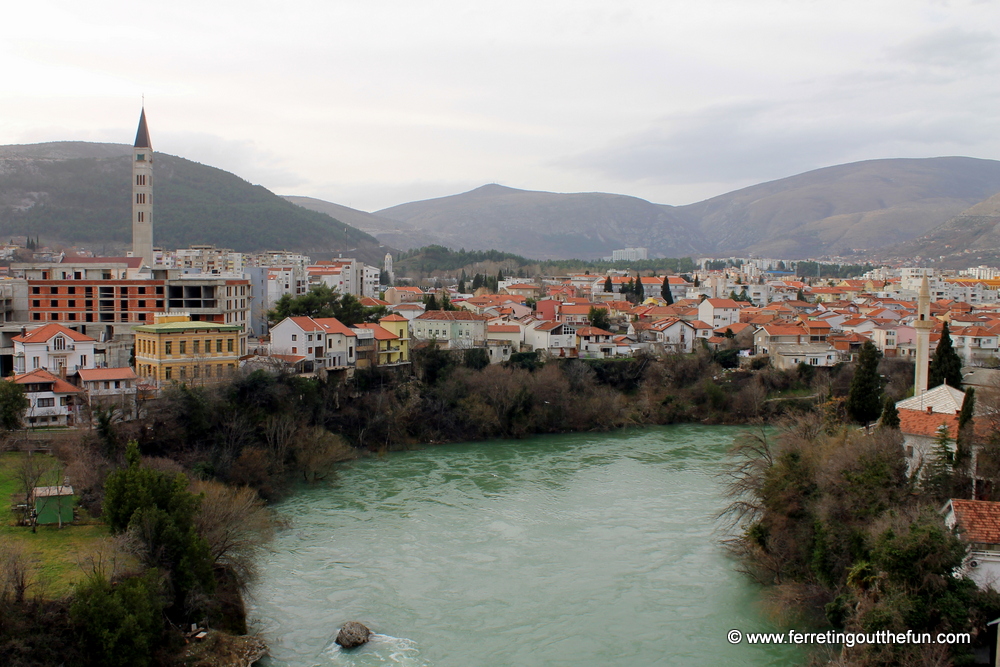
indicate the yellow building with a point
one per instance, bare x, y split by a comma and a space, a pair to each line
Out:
388, 342
175, 348
400, 326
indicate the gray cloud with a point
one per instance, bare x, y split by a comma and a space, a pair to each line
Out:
948, 47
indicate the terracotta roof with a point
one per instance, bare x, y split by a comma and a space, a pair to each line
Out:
46, 332
592, 331
503, 328
452, 315
96, 374
723, 303
370, 302
394, 318
306, 323
978, 520
380, 333
334, 326
41, 376
927, 424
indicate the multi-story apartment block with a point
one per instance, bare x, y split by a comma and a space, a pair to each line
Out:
176, 348
108, 296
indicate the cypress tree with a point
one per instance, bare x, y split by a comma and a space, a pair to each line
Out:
890, 415
864, 400
608, 285
946, 365
665, 291
431, 303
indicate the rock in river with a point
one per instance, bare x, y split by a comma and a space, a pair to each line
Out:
353, 634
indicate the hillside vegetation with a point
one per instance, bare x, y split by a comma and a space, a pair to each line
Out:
831, 211
79, 193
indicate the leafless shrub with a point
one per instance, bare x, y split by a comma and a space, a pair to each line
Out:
17, 573
236, 524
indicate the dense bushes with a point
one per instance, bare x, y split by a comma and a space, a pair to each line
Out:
832, 511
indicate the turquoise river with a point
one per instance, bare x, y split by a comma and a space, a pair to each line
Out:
581, 549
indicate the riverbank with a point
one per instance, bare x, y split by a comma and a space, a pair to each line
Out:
583, 549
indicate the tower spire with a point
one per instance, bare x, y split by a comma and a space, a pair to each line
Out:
142, 193
923, 324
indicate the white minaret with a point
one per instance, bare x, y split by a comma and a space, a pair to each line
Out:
142, 194
387, 267
924, 325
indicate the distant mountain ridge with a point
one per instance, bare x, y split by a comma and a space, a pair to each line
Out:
856, 206
80, 193
970, 238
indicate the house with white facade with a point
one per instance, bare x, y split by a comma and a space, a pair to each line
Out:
719, 312
52, 401
594, 343
459, 328
553, 338
977, 523
110, 388
324, 342
53, 347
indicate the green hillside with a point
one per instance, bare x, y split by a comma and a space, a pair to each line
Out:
70, 200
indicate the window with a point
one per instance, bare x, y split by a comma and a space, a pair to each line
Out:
168, 347
295, 337
295, 350
36, 290
195, 346
183, 347
218, 345
107, 384
59, 343
183, 372
140, 157
83, 360
167, 372
35, 362
65, 400
36, 303
229, 345
71, 303
53, 303
45, 403
71, 316
140, 217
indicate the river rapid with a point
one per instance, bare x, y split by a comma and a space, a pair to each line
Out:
580, 549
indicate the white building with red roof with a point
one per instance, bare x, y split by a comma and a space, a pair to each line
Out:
719, 312
52, 401
977, 523
111, 388
324, 342
54, 348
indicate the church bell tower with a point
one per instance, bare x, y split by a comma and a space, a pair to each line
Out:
142, 194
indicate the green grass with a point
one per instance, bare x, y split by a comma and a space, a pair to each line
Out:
58, 554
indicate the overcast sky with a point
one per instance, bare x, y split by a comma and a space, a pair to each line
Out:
371, 103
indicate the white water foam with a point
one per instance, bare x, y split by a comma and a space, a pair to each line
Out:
380, 650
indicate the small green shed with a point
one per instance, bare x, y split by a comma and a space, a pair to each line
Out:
54, 504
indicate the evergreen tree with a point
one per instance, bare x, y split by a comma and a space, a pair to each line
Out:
938, 480
665, 291
431, 303
963, 443
461, 285
864, 400
890, 415
599, 318
609, 287
499, 276
477, 282
946, 365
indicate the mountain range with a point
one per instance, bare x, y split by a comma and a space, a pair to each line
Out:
944, 207
840, 210
79, 193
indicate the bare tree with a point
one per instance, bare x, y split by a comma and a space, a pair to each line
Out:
28, 473
16, 573
279, 432
236, 524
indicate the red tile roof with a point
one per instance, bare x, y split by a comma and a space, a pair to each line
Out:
334, 326
42, 376
451, 315
97, 374
592, 331
978, 520
380, 333
918, 422
394, 318
503, 328
46, 332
